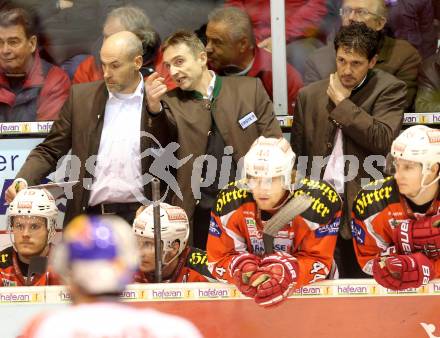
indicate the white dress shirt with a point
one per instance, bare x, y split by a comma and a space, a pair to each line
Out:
211, 86
334, 171
118, 167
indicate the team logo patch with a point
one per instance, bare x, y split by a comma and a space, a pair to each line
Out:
357, 232
331, 229
214, 229
434, 136
7, 282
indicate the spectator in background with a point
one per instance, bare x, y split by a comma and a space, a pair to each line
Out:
356, 112
97, 259
413, 21
31, 89
31, 223
181, 263
232, 50
68, 28
303, 18
168, 15
134, 20
209, 115
396, 57
428, 94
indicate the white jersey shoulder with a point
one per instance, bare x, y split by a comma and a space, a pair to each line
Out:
109, 320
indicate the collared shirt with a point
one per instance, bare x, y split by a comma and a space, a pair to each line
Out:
211, 86
244, 71
334, 171
118, 167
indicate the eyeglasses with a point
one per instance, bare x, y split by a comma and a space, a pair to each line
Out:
358, 12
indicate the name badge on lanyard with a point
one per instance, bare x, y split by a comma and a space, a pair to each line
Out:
247, 120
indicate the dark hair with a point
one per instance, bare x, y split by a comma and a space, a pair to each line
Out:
188, 38
357, 36
17, 16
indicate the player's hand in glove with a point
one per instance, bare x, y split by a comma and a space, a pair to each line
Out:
275, 278
242, 268
422, 235
399, 272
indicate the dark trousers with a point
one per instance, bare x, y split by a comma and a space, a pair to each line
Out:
129, 216
346, 261
201, 219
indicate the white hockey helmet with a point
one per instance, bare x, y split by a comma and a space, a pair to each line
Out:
98, 254
174, 226
34, 203
268, 158
419, 144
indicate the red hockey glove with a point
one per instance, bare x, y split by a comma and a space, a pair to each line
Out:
242, 268
422, 235
399, 272
277, 276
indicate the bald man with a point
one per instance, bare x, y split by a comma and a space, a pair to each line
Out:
106, 119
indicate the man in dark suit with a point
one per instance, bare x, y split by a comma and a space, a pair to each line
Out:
103, 119
355, 113
396, 57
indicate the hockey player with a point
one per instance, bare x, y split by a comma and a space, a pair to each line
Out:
303, 247
180, 262
31, 222
395, 220
98, 258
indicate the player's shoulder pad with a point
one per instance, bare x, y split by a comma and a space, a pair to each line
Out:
326, 202
375, 197
231, 197
6, 257
197, 260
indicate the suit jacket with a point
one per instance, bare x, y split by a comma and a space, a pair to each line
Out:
190, 120
370, 119
396, 57
79, 128
428, 94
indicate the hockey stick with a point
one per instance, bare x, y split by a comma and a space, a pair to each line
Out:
155, 186
295, 206
37, 266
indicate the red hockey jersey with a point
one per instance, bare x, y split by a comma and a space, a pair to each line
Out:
236, 227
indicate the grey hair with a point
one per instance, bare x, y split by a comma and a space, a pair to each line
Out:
136, 21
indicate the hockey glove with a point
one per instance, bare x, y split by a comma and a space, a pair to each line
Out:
422, 235
242, 268
399, 272
277, 276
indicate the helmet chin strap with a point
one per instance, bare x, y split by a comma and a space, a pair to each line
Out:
170, 261
423, 186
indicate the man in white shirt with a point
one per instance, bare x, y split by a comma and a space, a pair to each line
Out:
104, 123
